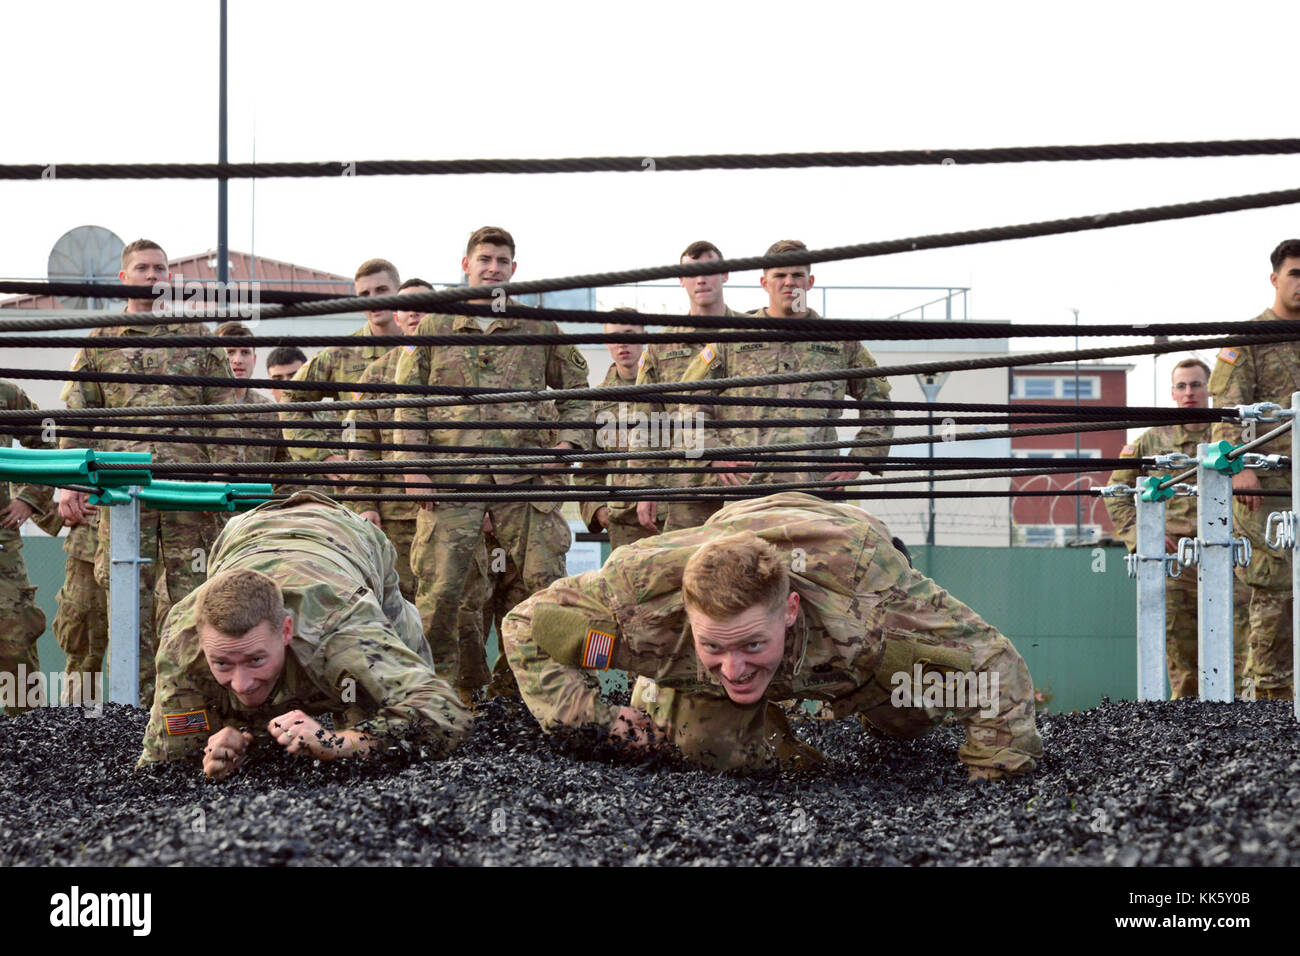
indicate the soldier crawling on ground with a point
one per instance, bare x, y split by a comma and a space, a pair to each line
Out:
774, 598
301, 616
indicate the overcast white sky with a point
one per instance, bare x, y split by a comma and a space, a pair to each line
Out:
343, 81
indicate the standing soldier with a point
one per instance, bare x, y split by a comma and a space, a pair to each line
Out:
787, 289
343, 363
776, 598
81, 623
282, 364
618, 430
175, 543
664, 364
21, 621
1244, 375
243, 364
1189, 391
449, 556
395, 518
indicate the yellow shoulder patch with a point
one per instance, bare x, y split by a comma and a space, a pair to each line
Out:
1229, 355
708, 354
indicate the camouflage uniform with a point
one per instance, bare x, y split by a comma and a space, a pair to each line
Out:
733, 359
357, 652
175, 542
449, 555
623, 525
397, 517
81, 624
1180, 592
865, 618
21, 621
338, 363
666, 363
262, 454
1244, 375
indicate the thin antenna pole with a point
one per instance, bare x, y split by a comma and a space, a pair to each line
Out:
223, 245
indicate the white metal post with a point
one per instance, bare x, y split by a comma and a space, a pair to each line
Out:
1214, 580
1150, 598
124, 602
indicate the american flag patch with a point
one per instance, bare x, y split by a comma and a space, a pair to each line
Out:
598, 650
1229, 355
356, 396
410, 349
187, 723
1128, 451
708, 354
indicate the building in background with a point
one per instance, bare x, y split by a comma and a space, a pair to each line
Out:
1065, 519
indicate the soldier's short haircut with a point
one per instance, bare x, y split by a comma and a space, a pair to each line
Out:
630, 311
234, 602
233, 328
492, 236
699, 248
787, 245
372, 266
139, 246
1286, 249
731, 574
414, 283
286, 355
1192, 362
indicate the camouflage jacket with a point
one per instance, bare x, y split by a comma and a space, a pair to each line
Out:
1246, 374
383, 369
357, 652
864, 615
666, 363
1180, 511
131, 352
262, 454
338, 363
733, 359
611, 437
40, 497
499, 367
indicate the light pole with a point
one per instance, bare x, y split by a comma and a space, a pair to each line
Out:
223, 246
930, 384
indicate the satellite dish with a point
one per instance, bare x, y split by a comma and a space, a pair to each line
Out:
86, 254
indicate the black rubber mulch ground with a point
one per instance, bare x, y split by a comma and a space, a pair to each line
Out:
1164, 783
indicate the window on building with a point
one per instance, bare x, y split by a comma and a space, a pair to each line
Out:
1056, 386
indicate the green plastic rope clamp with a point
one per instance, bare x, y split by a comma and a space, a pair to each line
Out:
72, 466
1151, 490
201, 496
1216, 457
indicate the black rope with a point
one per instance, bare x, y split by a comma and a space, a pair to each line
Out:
730, 453
484, 397
429, 301
707, 329
641, 164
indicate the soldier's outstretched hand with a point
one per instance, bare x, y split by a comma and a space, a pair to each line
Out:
637, 730
224, 752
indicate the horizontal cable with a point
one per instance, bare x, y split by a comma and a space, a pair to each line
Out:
429, 301
342, 169
620, 391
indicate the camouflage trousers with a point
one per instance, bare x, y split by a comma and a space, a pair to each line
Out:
1002, 736
526, 552
1180, 634
401, 531
178, 542
21, 621
81, 624
624, 530
1269, 576
687, 514
449, 560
